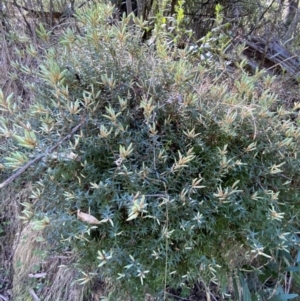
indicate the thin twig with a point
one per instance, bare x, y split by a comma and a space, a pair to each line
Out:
38, 158
2, 297
177, 297
33, 295
261, 17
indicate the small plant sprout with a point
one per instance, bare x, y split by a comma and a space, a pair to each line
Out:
76, 141
148, 108
223, 195
225, 163
191, 134
108, 215
258, 250
162, 155
251, 147
43, 34
275, 168
41, 224
137, 207
124, 153
255, 196
152, 129
29, 140
46, 128
104, 132
74, 107
26, 70
166, 201
85, 230
27, 212
274, 215
123, 103
142, 275
198, 218
36, 193
108, 81
166, 233
98, 186
120, 128
239, 163
87, 98
182, 162
133, 262
52, 73
223, 151
286, 142
121, 275
195, 185
111, 115
68, 39
183, 195
104, 257
274, 196
156, 255
7, 105
4, 131
16, 160
230, 118
268, 81
125, 171
87, 277
69, 195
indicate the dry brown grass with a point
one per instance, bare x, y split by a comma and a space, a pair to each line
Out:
10, 225
25, 260
24, 253
38, 273
27, 265
63, 286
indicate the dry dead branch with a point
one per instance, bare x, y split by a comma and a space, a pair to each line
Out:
270, 55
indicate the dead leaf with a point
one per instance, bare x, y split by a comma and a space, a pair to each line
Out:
85, 217
38, 275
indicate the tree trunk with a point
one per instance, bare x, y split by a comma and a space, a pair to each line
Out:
291, 19
129, 6
290, 11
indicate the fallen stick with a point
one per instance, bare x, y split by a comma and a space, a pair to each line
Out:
33, 295
38, 158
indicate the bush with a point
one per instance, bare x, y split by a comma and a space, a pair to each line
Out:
190, 176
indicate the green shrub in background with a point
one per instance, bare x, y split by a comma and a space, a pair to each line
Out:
190, 176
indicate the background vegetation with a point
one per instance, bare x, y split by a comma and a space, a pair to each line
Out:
141, 155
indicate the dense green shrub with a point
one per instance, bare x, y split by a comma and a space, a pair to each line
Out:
190, 175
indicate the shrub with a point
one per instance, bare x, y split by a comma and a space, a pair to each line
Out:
191, 176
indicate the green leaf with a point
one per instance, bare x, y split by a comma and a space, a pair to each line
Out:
16, 160
235, 286
246, 291
298, 257
283, 297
